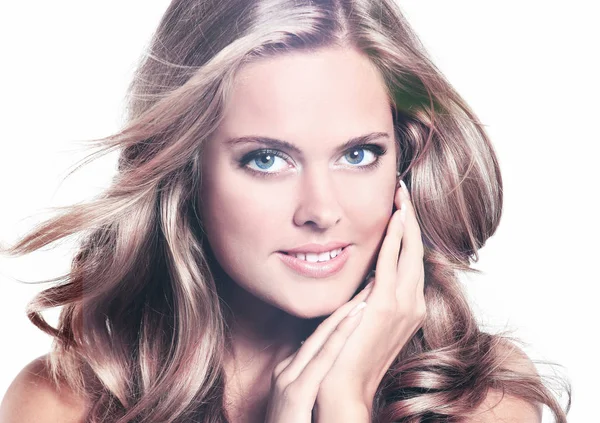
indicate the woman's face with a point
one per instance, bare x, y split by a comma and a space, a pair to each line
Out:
256, 203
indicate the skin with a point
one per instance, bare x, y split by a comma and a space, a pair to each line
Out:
316, 101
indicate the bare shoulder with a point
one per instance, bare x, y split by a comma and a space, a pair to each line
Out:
499, 407
32, 397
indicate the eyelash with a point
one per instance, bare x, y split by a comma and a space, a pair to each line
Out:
376, 149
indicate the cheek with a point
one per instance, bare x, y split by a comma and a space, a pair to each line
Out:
239, 217
369, 225
370, 207
239, 221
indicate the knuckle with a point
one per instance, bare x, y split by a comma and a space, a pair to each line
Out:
293, 393
421, 310
278, 369
282, 382
410, 308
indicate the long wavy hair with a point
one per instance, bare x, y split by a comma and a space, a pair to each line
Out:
141, 333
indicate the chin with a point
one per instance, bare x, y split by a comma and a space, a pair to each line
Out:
313, 308
311, 313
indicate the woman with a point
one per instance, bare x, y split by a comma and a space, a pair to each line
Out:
183, 305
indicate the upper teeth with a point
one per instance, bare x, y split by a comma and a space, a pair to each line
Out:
315, 257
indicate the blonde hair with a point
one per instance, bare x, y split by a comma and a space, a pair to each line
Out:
141, 333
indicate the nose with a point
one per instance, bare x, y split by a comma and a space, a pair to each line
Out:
317, 201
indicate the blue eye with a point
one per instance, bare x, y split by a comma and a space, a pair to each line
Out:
263, 160
357, 155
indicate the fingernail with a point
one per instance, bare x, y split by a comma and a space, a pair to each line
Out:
358, 308
404, 188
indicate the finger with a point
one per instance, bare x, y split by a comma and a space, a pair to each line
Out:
421, 284
387, 260
317, 339
410, 263
398, 195
282, 365
315, 371
411, 222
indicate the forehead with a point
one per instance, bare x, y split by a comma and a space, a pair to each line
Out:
334, 92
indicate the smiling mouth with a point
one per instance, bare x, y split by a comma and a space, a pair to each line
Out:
319, 268
316, 257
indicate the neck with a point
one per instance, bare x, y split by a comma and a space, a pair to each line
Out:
257, 326
259, 336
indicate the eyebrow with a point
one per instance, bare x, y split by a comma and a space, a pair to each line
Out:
285, 145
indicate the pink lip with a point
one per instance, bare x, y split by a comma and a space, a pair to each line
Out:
318, 269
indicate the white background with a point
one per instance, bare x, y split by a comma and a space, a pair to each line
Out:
528, 68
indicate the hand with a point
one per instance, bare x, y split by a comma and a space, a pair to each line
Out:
395, 311
296, 380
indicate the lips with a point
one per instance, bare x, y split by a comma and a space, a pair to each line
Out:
322, 269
